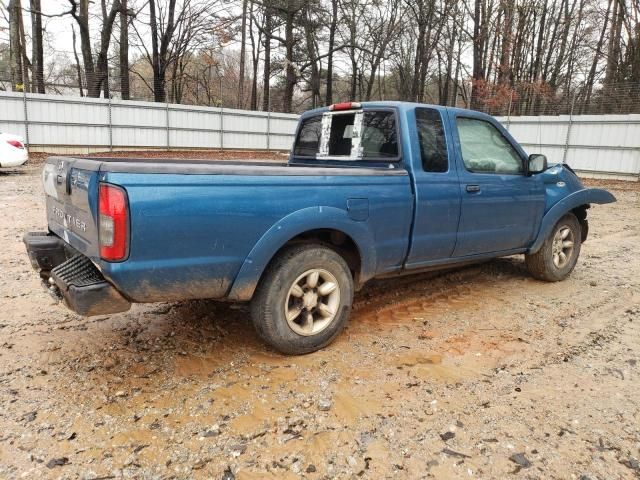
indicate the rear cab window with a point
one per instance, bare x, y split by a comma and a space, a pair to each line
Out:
350, 135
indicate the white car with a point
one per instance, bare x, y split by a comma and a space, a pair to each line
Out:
13, 153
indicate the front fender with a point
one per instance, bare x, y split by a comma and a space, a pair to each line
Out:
576, 199
296, 223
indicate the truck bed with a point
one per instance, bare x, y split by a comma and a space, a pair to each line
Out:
195, 223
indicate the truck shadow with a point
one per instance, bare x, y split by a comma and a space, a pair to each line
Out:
204, 338
230, 329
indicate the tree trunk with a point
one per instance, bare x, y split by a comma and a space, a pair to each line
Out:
596, 57
332, 39
352, 57
454, 100
613, 57
26, 64
243, 53
160, 42
504, 74
158, 86
419, 53
444, 100
37, 56
266, 78
124, 51
85, 48
478, 52
290, 74
314, 81
15, 47
568, 13
255, 59
75, 54
96, 75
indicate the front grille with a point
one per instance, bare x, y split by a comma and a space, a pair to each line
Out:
78, 271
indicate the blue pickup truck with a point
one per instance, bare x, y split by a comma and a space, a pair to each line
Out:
370, 190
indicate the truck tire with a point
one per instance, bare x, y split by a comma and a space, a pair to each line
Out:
559, 253
303, 300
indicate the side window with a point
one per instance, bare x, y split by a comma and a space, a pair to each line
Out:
309, 137
379, 139
485, 150
433, 146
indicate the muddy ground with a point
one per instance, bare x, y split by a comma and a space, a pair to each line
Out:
481, 372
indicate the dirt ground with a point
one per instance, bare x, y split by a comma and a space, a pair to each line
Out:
481, 372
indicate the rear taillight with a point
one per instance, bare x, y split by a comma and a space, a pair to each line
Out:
15, 143
113, 223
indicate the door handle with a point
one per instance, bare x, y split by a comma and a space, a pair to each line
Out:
473, 188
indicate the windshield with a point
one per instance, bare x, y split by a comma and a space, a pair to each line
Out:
352, 135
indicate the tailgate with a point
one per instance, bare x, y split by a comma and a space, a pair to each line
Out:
71, 186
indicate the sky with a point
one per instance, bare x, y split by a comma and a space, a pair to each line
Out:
58, 37
57, 26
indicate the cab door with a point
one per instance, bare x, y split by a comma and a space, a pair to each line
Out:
436, 188
501, 206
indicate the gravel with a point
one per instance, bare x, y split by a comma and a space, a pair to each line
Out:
422, 383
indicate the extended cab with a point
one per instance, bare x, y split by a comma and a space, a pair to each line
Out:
370, 190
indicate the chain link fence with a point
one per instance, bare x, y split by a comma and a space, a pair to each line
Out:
206, 108
210, 86
216, 83
581, 99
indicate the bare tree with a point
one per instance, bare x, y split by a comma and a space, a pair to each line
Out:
96, 72
37, 49
267, 30
255, 34
77, 64
518, 56
124, 51
332, 39
16, 46
243, 53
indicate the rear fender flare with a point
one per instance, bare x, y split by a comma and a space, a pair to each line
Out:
576, 199
294, 224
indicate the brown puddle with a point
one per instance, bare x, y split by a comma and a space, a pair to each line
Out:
191, 365
413, 359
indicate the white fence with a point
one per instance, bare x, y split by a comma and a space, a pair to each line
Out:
75, 124
596, 145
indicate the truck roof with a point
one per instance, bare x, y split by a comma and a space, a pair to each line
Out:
394, 104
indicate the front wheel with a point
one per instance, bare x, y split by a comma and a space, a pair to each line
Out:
559, 253
303, 300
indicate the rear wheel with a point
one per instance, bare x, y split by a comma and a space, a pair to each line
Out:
303, 300
559, 253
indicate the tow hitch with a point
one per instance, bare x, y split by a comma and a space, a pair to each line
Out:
53, 290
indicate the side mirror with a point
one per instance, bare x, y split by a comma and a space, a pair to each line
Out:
537, 163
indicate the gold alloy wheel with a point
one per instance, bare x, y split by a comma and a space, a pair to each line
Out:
562, 247
312, 302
